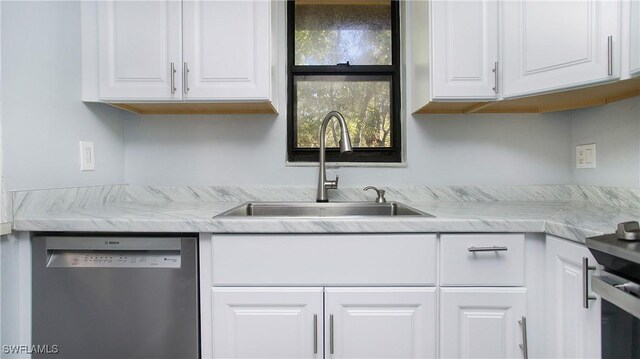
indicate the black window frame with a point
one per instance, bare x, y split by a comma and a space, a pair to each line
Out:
391, 154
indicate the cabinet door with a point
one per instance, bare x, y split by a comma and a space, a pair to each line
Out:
139, 45
465, 49
227, 50
573, 331
481, 322
380, 322
267, 322
553, 45
634, 38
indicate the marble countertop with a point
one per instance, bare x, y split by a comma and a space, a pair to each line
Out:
574, 220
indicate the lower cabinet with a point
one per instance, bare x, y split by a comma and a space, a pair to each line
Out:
382, 296
482, 322
267, 322
324, 322
573, 322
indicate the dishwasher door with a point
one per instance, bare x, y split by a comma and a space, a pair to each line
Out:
116, 296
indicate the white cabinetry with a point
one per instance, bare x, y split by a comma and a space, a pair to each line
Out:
139, 44
464, 57
634, 39
553, 45
267, 322
482, 319
227, 50
573, 331
146, 56
353, 322
482, 322
380, 323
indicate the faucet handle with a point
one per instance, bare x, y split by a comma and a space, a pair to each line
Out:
332, 184
379, 192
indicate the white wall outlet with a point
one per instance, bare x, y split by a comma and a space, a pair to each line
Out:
87, 156
586, 156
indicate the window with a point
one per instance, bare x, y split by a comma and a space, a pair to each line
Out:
344, 57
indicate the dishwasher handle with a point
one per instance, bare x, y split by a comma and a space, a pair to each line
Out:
112, 243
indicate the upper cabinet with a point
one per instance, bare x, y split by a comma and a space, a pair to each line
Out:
139, 48
634, 39
169, 56
465, 38
521, 55
226, 50
553, 45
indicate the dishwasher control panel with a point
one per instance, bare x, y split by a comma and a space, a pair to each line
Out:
113, 259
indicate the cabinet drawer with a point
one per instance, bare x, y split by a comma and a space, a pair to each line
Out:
469, 260
324, 260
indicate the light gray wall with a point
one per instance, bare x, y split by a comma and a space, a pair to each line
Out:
615, 129
43, 117
246, 150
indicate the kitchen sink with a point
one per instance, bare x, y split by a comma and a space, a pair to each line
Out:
329, 209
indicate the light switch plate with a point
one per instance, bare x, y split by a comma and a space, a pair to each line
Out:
586, 156
87, 156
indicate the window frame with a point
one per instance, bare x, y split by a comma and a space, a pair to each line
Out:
391, 154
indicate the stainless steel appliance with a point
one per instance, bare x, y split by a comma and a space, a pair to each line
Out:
619, 287
116, 296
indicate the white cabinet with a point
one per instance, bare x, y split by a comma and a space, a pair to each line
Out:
634, 39
324, 259
159, 53
380, 323
254, 322
227, 50
553, 45
267, 322
494, 259
464, 57
139, 44
482, 322
572, 330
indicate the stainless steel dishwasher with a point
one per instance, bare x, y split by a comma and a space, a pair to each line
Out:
116, 296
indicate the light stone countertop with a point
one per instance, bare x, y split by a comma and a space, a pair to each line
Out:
574, 220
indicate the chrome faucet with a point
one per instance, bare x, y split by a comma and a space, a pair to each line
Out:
345, 147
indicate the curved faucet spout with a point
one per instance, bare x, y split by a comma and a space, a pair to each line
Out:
345, 147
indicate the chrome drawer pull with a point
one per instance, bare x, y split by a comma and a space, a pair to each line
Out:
173, 78
495, 76
488, 249
610, 55
524, 346
331, 334
315, 334
585, 282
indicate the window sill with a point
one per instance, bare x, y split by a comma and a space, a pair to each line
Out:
349, 164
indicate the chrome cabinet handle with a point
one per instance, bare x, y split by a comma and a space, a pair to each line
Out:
331, 334
525, 345
488, 249
185, 77
495, 76
173, 78
585, 282
610, 55
315, 334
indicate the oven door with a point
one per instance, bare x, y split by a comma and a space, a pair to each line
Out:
620, 316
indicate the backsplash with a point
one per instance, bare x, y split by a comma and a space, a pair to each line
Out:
404, 194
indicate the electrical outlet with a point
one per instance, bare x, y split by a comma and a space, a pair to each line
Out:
586, 156
87, 156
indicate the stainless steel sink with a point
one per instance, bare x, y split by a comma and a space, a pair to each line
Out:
330, 209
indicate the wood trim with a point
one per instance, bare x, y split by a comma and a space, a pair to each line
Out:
187, 108
574, 99
344, 2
